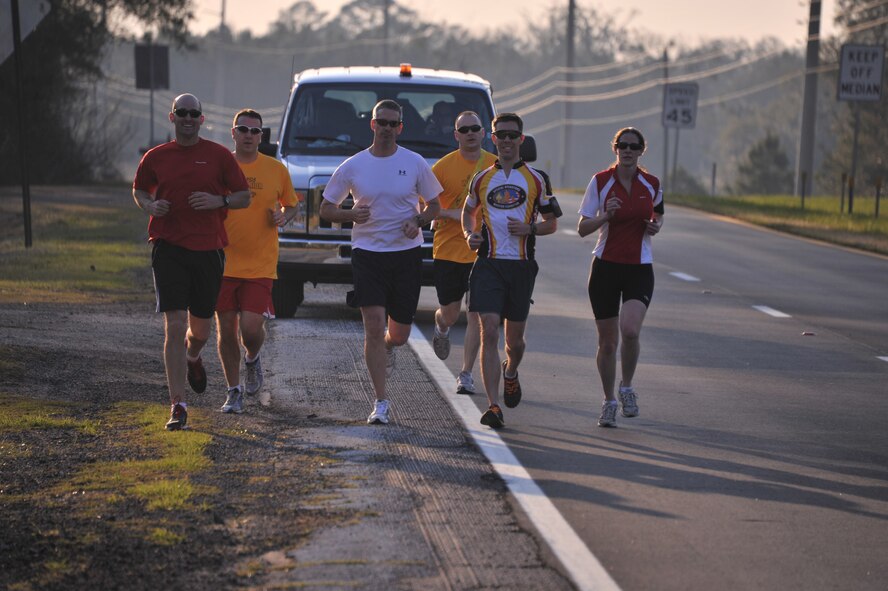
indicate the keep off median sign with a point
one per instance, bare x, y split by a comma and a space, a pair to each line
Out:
680, 105
860, 73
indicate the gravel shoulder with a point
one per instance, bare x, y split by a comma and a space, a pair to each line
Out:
298, 491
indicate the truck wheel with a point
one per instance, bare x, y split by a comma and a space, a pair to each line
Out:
287, 294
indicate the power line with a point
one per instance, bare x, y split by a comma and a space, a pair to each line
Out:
870, 25
322, 48
716, 100
645, 69
552, 99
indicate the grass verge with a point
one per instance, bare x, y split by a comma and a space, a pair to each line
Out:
820, 219
89, 252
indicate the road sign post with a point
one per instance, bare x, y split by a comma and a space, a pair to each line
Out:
860, 80
152, 73
679, 112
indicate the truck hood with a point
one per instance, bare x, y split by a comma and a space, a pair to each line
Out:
302, 168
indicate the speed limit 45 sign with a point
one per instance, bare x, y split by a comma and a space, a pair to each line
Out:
680, 105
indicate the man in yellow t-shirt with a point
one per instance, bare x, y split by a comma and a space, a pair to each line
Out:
251, 260
453, 258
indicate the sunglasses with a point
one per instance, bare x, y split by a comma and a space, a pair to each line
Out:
183, 112
245, 129
624, 145
468, 128
389, 122
507, 135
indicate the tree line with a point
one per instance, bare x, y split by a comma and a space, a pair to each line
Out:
80, 131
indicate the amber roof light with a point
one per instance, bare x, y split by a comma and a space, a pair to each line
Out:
406, 70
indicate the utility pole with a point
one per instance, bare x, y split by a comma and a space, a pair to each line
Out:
222, 20
385, 31
568, 90
20, 98
665, 129
805, 168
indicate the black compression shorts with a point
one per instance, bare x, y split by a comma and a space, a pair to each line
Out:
609, 283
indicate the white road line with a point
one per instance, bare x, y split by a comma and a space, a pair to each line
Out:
582, 566
772, 312
882, 358
683, 276
570, 232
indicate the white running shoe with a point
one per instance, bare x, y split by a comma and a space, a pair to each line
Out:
465, 384
608, 416
441, 344
253, 379
380, 414
234, 401
629, 401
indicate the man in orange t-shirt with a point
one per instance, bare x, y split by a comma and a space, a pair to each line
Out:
251, 260
453, 258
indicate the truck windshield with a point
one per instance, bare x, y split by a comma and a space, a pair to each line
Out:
334, 119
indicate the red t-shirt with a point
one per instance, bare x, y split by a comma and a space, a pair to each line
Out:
173, 172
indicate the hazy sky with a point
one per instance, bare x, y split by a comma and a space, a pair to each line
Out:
689, 20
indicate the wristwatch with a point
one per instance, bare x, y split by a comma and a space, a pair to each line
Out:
225, 201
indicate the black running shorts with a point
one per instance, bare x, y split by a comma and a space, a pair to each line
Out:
388, 279
186, 279
609, 283
503, 287
451, 280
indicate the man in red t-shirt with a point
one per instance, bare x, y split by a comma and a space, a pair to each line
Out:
187, 186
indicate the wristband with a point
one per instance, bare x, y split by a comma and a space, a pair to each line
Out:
225, 201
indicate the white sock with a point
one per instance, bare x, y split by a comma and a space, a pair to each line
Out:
248, 360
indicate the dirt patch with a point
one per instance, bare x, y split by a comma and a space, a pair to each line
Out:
83, 398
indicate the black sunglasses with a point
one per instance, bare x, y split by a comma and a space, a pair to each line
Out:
507, 134
182, 112
245, 129
632, 146
468, 128
388, 122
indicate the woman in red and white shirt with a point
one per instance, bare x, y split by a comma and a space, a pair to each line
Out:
625, 204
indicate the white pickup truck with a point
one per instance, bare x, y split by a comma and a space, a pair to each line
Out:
327, 120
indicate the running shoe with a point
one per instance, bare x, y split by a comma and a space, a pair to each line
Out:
493, 418
253, 380
629, 401
197, 375
441, 344
389, 361
511, 389
178, 418
464, 383
380, 414
234, 401
608, 416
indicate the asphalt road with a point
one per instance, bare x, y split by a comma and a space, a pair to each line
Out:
760, 458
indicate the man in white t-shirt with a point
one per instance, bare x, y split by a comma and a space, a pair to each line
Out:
389, 183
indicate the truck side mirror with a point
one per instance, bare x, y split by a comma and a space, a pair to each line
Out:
266, 146
528, 150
